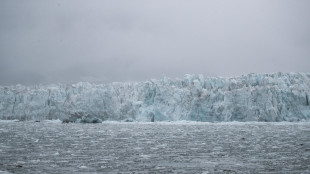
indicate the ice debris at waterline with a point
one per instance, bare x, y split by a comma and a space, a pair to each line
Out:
79, 117
251, 97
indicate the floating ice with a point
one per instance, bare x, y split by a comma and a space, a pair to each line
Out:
252, 97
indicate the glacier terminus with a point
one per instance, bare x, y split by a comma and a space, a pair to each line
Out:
252, 97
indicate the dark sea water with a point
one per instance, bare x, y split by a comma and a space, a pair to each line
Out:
175, 147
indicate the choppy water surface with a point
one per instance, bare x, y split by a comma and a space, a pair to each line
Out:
45, 147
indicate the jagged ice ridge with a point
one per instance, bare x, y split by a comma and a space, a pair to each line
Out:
251, 97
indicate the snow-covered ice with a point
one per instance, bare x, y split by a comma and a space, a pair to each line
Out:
251, 97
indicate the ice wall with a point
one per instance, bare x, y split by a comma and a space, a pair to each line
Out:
252, 97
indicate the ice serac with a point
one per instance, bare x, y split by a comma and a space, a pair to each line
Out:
251, 97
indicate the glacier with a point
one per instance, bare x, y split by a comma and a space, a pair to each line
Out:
271, 97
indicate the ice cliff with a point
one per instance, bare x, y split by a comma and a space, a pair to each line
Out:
251, 97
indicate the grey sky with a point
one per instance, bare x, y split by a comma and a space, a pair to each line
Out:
54, 41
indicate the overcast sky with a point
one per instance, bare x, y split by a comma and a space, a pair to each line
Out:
54, 41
